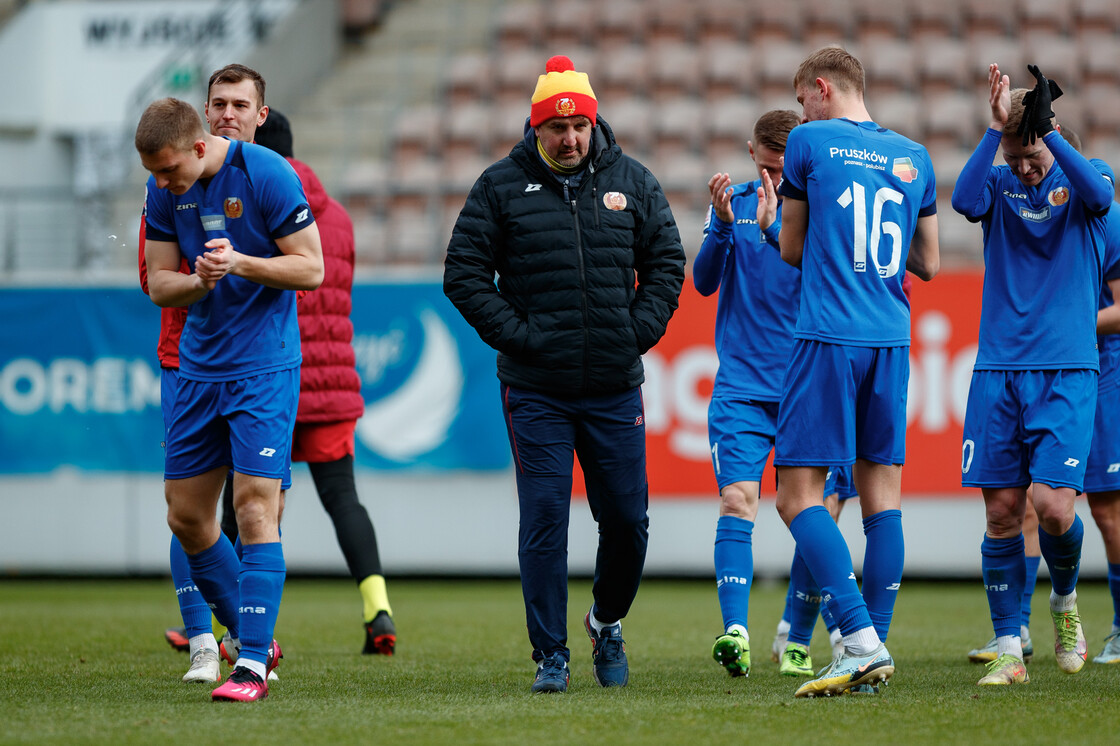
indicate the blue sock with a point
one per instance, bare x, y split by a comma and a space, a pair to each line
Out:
829, 620
215, 572
882, 567
822, 547
787, 612
192, 606
238, 547
1114, 589
1030, 580
262, 584
804, 600
1063, 556
1001, 562
734, 560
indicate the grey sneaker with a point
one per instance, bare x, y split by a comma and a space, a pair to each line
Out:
1111, 652
204, 666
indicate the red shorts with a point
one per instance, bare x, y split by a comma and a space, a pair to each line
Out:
322, 442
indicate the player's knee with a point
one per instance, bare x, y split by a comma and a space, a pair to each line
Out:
186, 525
1106, 514
738, 500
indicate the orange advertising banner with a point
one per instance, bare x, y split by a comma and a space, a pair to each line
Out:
680, 369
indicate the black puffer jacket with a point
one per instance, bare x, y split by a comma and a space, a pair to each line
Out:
565, 315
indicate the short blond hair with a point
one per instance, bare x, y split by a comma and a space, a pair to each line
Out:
168, 122
834, 64
1016, 110
772, 129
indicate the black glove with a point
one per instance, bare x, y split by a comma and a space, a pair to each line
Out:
1038, 107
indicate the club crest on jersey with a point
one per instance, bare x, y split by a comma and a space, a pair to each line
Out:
1058, 196
234, 208
904, 169
565, 107
614, 200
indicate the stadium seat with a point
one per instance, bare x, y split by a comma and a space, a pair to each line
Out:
729, 124
630, 118
370, 240
516, 72
568, 23
671, 20
414, 236
774, 20
1096, 15
684, 179
941, 18
988, 17
889, 64
953, 118
365, 176
677, 124
519, 26
1044, 15
1099, 58
676, 70
900, 111
1008, 52
460, 173
412, 183
469, 78
1056, 54
874, 19
824, 22
620, 22
622, 71
721, 21
416, 133
726, 69
776, 60
468, 129
942, 63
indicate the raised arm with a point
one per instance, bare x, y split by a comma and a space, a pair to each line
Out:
707, 268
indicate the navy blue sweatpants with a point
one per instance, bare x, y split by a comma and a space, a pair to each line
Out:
608, 435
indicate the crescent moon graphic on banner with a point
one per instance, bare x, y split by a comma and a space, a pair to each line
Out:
415, 418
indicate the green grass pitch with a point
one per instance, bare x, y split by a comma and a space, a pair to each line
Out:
84, 661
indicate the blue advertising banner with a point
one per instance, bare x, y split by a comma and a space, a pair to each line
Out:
79, 382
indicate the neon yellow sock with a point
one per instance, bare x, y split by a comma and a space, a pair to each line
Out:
374, 597
219, 630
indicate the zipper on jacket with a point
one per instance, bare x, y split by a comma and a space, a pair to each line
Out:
582, 289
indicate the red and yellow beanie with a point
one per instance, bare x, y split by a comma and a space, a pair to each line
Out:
562, 92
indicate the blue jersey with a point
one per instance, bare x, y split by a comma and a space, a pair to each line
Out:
1109, 345
758, 299
866, 187
1043, 253
240, 328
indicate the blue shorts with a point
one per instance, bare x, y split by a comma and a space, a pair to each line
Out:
845, 486
245, 424
840, 403
1102, 473
1024, 426
168, 385
740, 436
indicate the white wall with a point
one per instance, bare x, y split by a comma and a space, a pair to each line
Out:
70, 522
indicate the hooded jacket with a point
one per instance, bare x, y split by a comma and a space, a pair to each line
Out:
329, 386
588, 275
